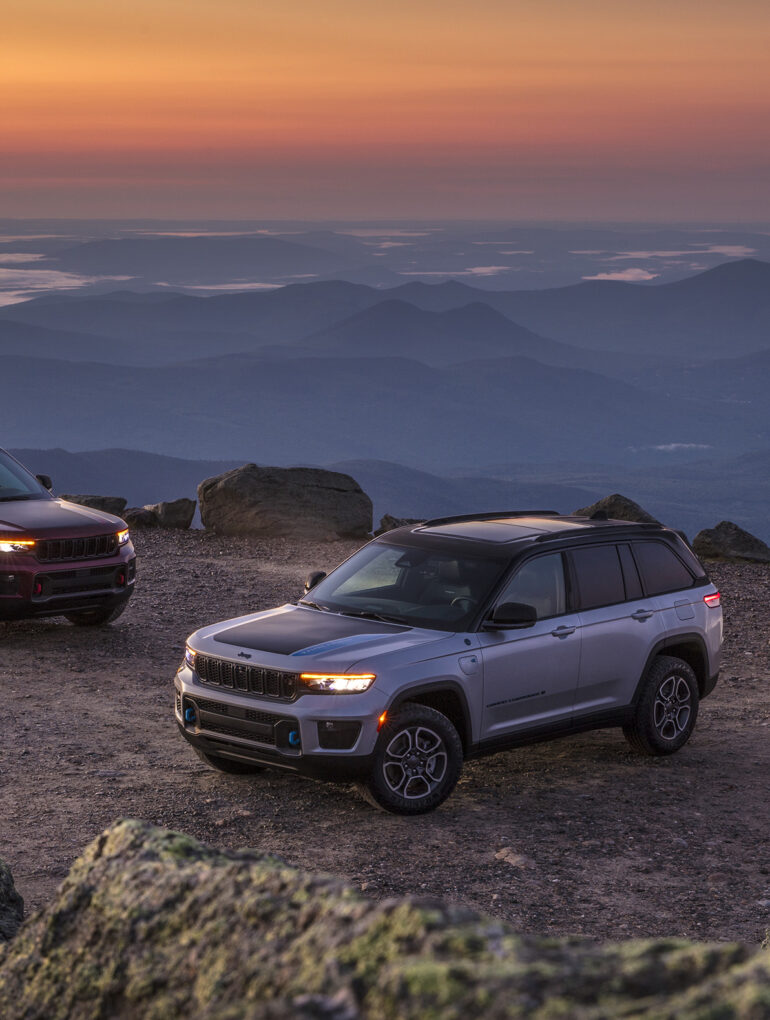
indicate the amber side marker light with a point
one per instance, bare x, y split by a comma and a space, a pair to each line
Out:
8, 545
713, 601
338, 683
381, 721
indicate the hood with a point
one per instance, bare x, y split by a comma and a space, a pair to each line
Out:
54, 518
306, 640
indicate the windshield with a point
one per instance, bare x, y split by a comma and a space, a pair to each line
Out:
16, 482
418, 587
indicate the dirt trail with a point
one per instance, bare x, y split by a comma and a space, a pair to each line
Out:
573, 836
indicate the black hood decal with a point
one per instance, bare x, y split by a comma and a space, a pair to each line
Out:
286, 633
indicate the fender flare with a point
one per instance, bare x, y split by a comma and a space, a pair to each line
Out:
668, 642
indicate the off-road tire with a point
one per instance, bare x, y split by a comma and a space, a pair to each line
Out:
96, 617
665, 713
229, 765
418, 750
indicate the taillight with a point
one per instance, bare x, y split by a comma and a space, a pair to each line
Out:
713, 600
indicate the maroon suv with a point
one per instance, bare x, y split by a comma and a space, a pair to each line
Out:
57, 558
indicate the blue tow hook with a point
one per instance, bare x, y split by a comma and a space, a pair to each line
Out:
294, 740
190, 715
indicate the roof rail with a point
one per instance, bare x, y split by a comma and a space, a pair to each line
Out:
491, 515
611, 525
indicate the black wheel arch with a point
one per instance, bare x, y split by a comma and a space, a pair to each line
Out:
446, 697
690, 648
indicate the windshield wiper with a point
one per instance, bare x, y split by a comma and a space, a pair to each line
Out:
12, 499
313, 605
368, 614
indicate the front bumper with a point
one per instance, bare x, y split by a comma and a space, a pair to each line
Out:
281, 734
29, 588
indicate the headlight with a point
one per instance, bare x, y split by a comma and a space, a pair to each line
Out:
122, 537
338, 683
17, 545
189, 657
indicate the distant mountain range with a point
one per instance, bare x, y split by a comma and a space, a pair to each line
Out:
439, 378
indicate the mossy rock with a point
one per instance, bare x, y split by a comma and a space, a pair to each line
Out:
150, 923
11, 905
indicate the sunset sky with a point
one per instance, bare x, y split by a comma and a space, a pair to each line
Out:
529, 109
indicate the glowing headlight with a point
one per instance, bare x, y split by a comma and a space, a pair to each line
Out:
17, 545
189, 657
338, 683
122, 537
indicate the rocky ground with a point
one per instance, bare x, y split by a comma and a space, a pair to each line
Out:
573, 836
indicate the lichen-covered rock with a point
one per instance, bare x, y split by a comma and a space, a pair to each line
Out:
729, 542
272, 502
617, 508
177, 513
390, 523
108, 504
149, 923
11, 905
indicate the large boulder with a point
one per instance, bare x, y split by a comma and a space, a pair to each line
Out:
729, 542
150, 923
178, 513
299, 502
11, 906
108, 504
140, 517
617, 508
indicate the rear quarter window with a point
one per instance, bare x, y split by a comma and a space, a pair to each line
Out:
661, 568
599, 576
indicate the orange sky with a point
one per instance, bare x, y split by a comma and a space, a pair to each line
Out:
329, 108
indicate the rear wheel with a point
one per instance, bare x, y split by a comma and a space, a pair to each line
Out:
96, 617
667, 708
417, 762
229, 765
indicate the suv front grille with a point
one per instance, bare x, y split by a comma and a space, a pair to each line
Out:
64, 550
263, 683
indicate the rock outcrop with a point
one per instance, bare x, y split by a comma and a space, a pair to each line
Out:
729, 542
617, 508
390, 523
140, 517
149, 923
298, 502
176, 514
11, 905
108, 504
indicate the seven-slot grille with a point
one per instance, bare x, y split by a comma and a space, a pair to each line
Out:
63, 550
264, 683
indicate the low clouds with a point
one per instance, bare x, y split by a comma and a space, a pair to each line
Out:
626, 275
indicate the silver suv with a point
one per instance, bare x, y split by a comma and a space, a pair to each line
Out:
455, 638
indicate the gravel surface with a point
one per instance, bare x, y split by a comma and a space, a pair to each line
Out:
574, 836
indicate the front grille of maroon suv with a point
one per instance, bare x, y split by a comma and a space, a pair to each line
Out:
66, 550
264, 683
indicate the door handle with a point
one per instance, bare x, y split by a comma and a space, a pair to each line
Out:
563, 631
642, 614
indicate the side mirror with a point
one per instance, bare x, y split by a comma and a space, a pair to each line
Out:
313, 579
45, 481
511, 614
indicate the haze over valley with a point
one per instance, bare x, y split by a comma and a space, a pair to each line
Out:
547, 382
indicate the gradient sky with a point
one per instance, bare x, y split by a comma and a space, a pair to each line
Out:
526, 109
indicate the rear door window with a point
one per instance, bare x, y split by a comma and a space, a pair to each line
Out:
661, 568
599, 576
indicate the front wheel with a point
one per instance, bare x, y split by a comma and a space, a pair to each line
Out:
667, 708
417, 762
